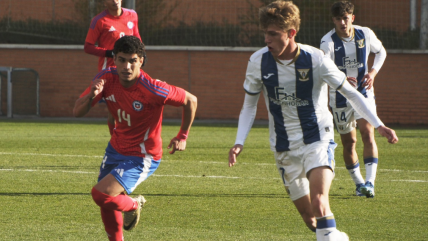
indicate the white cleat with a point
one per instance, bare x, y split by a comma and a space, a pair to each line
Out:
131, 219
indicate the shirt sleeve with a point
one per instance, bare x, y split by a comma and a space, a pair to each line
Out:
246, 118
377, 48
176, 96
94, 50
330, 74
253, 84
93, 32
135, 29
325, 47
360, 104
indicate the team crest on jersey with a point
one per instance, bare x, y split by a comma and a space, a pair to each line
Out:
361, 43
137, 105
130, 25
303, 74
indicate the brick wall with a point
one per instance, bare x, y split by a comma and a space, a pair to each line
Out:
216, 78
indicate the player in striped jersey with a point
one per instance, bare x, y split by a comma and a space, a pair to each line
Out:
349, 47
135, 148
294, 79
107, 27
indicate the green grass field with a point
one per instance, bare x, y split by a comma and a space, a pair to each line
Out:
47, 170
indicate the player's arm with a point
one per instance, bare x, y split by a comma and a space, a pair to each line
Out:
379, 59
84, 103
246, 120
337, 80
190, 104
97, 51
361, 105
253, 86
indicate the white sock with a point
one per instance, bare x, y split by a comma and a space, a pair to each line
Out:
371, 169
355, 173
326, 228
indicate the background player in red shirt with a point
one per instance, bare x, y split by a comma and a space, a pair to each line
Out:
134, 152
107, 27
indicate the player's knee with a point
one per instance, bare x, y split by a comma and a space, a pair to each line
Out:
99, 198
368, 139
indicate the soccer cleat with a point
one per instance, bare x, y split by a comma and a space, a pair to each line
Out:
358, 190
368, 190
130, 219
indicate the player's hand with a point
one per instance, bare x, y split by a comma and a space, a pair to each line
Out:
233, 154
97, 86
177, 145
353, 81
369, 79
388, 133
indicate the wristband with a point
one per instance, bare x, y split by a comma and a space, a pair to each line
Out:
182, 135
109, 54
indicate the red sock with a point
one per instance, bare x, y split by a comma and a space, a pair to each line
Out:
121, 202
113, 222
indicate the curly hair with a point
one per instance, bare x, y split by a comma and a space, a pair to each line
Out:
130, 45
339, 9
283, 14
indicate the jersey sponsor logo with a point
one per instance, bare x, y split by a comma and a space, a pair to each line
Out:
137, 105
303, 74
361, 43
338, 48
350, 64
268, 75
111, 98
130, 25
112, 29
282, 98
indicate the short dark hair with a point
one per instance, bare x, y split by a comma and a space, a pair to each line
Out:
339, 9
130, 45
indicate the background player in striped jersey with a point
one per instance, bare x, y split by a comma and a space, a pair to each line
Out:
135, 148
293, 78
349, 47
107, 27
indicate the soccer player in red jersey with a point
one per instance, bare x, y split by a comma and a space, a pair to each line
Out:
134, 152
107, 27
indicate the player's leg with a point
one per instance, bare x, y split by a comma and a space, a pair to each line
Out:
120, 174
370, 156
345, 123
303, 206
297, 186
319, 161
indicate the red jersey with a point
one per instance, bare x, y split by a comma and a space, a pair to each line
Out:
106, 29
137, 111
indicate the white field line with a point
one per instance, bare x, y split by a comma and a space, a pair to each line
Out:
41, 154
181, 176
207, 162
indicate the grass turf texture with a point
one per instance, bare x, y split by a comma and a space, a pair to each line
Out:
47, 170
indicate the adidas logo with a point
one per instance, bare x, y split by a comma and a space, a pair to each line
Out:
112, 29
120, 172
111, 98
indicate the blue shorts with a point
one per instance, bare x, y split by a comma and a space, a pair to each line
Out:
129, 171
